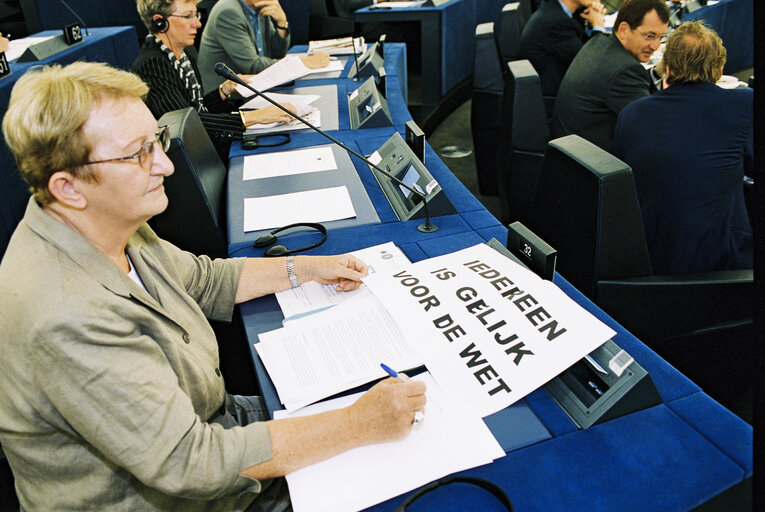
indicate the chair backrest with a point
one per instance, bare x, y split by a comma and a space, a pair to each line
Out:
488, 68
587, 209
485, 109
14, 195
195, 217
524, 136
328, 20
8, 500
510, 28
318, 7
525, 10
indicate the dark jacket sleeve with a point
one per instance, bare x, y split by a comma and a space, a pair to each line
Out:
168, 93
632, 83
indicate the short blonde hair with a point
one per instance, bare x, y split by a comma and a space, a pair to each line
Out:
694, 53
148, 8
46, 114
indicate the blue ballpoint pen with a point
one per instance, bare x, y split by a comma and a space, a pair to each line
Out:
393, 373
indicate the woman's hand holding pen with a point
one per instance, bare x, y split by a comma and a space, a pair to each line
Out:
386, 412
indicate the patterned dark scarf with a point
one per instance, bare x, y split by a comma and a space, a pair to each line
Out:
186, 72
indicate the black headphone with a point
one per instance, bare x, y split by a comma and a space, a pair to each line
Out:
160, 25
487, 485
280, 250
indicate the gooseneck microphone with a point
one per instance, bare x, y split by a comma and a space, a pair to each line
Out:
76, 16
355, 59
426, 227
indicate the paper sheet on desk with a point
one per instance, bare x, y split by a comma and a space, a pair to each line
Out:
17, 46
339, 46
335, 350
295, 99
282, 71
286, 163
402, 5
322, 205
448, 441
312, 296
493, 330
307, 112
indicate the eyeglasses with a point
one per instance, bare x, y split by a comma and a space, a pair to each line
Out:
188, 16
651, 37
144, 155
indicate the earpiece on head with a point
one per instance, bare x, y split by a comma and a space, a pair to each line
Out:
159, 24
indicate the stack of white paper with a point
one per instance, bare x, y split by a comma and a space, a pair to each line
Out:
312, 296
282, 71
338, 349
404, 5
295, 99
307, 112
16, 47
448, 441
340, 46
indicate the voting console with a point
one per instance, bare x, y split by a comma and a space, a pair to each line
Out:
397, 158
608, 383
370, 61
367, 107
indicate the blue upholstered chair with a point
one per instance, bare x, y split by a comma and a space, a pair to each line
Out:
510, 29
485, 110
8, 500
324, 22
526, 9
14, 195
523, 140
195, 217
587, 209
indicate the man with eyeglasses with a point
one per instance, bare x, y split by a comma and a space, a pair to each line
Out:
112, 396
608, 73
247, 36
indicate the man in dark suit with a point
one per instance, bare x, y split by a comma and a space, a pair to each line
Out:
607, 74
554, 35
689, 172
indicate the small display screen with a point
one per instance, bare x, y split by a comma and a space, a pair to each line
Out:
410, 177
365, 108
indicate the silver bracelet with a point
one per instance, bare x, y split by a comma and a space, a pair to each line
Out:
291, 271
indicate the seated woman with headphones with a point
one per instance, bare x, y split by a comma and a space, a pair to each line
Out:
167, 62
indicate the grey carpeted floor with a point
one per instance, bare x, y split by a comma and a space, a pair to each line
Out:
455, 131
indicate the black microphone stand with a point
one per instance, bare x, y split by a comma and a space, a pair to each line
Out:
426, 227
76, 16
355, 59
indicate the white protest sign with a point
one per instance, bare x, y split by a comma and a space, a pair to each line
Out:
490, 330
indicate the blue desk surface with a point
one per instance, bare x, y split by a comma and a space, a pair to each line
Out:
673, 456
447, 34
395, 67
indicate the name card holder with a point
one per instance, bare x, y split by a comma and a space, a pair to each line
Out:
72, 34
5, 70
367, 107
